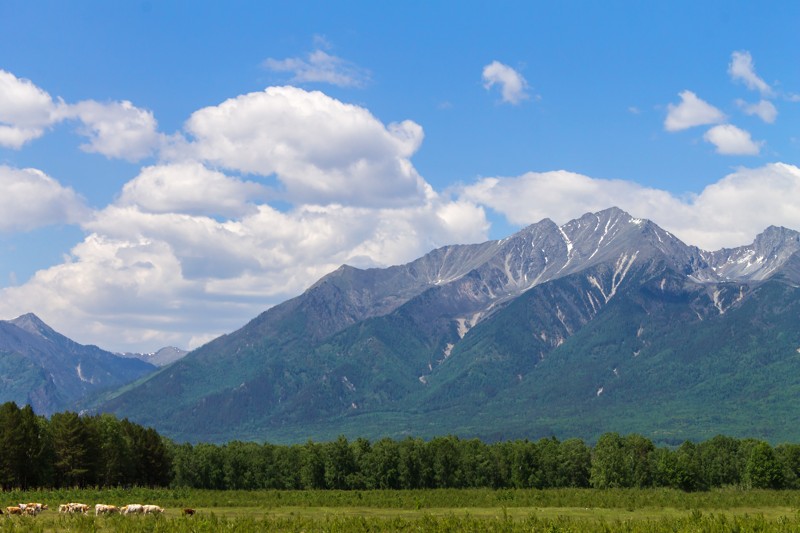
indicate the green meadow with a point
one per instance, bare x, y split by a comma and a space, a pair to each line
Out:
646, 510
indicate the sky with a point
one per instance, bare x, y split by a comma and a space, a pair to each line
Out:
171, 169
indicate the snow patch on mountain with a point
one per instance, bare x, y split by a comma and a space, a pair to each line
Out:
83, 378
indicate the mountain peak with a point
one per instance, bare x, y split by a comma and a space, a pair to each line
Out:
777, 236
33, 324
773, 251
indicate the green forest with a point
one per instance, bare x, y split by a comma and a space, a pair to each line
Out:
70, 450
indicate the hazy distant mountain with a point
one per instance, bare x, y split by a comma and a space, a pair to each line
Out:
50, 372
605, 323
162, 357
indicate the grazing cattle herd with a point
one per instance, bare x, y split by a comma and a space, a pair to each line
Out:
33, 509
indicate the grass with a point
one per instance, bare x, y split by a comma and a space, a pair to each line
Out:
430, 510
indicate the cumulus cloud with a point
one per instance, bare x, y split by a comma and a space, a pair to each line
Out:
742, 68
25, 111
31, 199
731, 140
728, 213
189, 250
320, 149
165, 278
512, 85
321, 67
559, 195
764, 109
116, 129
692, 111
190, 188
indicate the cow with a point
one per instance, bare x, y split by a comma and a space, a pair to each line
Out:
188, 511
14, 510
133, 508
32, 508
74, 507
152, 509
102, 508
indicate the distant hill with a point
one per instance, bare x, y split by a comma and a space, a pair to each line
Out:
52, 373
606, 323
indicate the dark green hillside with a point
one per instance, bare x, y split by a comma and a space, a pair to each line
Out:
664, 372
737, 373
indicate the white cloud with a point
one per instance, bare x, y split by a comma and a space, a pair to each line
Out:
764, 109
728, 213
741, 68
190, 188
692, 111
187, 251
731, 140
513, 85
31, 199
320, 149
25, 111
560, 195
321, 67
162, 278
116, 129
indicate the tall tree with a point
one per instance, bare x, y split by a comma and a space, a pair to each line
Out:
763, 470
12, 446
609, 465
75, 450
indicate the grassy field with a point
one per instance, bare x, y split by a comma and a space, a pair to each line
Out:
431, 510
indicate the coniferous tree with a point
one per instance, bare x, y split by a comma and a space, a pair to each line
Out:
75, 450
12, 446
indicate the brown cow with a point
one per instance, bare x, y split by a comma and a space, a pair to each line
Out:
188, 511
32, 508
14, 510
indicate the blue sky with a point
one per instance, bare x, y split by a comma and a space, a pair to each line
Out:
170, 169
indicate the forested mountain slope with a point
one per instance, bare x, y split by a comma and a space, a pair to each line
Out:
50, 372
605, 323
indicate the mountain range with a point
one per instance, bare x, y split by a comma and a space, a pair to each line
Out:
45, 369
606, 323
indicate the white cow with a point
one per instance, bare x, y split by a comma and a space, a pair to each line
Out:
133, 508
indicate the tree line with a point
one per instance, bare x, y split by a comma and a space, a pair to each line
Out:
615, 461
70, 450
